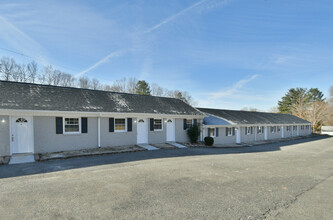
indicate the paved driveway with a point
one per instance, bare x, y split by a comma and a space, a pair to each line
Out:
290, 180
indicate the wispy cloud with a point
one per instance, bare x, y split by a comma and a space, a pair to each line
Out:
116, 53
21, 41
157, 26
172, 17
233, 89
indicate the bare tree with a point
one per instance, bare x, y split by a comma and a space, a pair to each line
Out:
156, 90
84, 83
95, 84
131, 85
119, 85
316, 113
67, 80
182, 95
7, 67
22, 73
47, 75
32, 71
273, 109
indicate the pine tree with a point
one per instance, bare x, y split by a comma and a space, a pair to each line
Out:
142, 88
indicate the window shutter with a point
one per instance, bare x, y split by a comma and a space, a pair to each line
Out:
59, 128
226, 131
263, 129
251, 130
185, 125
195, 121
217, 132
233, 131
84, 125
111, 124
152, 124
209, 132
245, 130
129, 124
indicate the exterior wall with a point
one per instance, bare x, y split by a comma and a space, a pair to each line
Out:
46, 139
109, 139
247, 138
304, 132
326, 130
222, 138
259, 137
4, 136
275, 135
287, 134
181, 134
157, 137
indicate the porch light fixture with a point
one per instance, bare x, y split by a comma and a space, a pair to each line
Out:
3, 120
134, 121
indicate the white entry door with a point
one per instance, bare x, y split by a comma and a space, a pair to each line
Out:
142, 131
238, 135
22, 135
171, 133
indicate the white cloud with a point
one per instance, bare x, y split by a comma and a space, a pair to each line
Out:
172, 17
116, 53
22, 42
233, 89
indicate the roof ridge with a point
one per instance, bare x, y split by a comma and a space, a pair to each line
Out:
76, 88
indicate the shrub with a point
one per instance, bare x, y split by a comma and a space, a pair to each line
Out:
193, 133
209, 141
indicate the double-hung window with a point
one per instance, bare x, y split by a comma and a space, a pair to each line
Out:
119, 124
273, 129
278, 128
212, 132
248, 130
260, 129
229, 131
72, 126
294, 128
158, 124
189, 123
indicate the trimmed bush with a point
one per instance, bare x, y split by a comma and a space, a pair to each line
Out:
209, 141
193, 133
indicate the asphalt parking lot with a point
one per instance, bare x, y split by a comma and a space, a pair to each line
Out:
289, 180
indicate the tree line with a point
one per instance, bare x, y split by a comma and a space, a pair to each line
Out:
308, 104
10, 70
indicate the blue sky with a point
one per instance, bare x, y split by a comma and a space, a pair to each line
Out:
226, 53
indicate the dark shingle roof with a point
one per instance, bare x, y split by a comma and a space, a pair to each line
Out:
246, 117
54, 98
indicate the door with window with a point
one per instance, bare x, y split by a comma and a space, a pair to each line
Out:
142, 131
22, 135
170, 130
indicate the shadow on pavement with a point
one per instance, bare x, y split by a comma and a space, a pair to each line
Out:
17, 170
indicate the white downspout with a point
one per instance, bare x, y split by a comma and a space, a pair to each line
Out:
99, 131
266, 133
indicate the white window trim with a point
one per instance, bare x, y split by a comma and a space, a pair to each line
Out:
162, 123
248, 130
231, 133
214, 132
260, 129
69, 133
192, 122
120, 131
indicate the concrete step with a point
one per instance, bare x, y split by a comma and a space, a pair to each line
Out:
22, 158
177, 145
148, 147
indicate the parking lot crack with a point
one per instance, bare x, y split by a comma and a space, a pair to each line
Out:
279, 207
